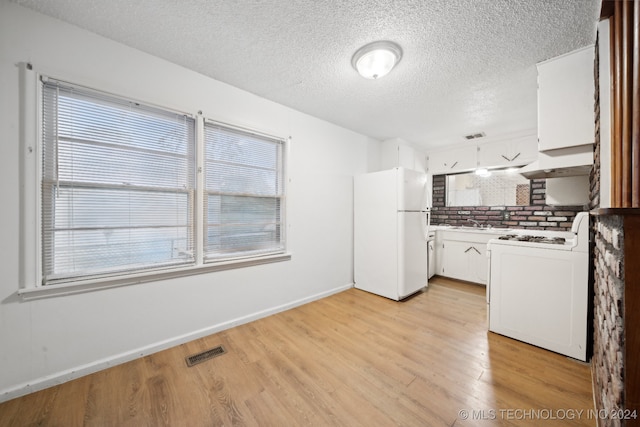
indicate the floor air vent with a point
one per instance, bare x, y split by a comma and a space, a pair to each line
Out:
205, 355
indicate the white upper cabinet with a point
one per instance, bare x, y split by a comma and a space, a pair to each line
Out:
513, 152
452, 161
419, 161
566, 100
398, 153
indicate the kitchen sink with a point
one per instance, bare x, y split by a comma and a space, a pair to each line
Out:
466, 228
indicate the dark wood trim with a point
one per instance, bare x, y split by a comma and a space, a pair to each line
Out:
635, 119
626, 88
616, 152
607, 9
625, 101
631, 365
616, 211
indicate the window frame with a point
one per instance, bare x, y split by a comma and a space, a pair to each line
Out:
282, 198
31, 174
54, 184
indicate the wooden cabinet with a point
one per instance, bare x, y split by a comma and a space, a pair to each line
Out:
566, 100
512, 152
452, 161
464, 261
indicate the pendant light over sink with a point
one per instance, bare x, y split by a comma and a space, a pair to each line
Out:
376, 59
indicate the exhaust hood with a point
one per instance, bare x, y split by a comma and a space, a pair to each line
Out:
562, 162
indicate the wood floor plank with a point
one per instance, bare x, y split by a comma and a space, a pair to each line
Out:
352, 359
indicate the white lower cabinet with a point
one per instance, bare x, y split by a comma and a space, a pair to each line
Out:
480, 265
431, 258
462, 254
464, 261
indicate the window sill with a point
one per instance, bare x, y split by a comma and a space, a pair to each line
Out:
111, 282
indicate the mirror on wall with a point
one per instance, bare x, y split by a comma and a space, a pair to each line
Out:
492, 188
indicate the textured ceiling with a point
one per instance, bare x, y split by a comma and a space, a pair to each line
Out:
468, 65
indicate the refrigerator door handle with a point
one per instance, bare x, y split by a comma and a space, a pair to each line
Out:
425, 220
426, 201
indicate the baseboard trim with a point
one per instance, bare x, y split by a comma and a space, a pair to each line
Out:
99, 365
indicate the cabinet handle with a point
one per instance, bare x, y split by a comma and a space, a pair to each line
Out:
454, 165
474, 248
508, 159
468, 249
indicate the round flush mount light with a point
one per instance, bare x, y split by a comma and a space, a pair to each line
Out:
376, 59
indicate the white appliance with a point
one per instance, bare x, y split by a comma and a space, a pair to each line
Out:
391, 220
538, 288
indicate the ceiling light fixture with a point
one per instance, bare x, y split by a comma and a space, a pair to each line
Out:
483, 172
376, 59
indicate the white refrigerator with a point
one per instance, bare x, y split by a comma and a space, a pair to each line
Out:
391, 227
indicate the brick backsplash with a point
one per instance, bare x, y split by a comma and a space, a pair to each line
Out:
536, 216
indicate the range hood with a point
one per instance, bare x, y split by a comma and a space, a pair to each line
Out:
572, 161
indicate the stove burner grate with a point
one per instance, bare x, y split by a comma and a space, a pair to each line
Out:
534, 239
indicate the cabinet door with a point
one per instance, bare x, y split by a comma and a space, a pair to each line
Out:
465, 261
566, 100
479, 263
396, 153
438, 252
455, 260
513, 152
406, 157
431, 251
452, 161
419, 161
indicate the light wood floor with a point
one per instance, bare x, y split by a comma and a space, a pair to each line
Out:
352, 359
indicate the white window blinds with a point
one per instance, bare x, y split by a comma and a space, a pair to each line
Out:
118, 185
244, 193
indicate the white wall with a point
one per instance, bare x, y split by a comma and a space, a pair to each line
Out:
570, 190
54, 339
604, 76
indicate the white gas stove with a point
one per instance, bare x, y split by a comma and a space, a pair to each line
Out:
537, 288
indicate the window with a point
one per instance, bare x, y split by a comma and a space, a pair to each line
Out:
118, 185
121, 190
244, 193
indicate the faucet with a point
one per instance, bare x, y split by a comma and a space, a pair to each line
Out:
475, 223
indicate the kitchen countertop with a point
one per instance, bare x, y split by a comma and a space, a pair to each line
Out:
466, 229
500, 231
